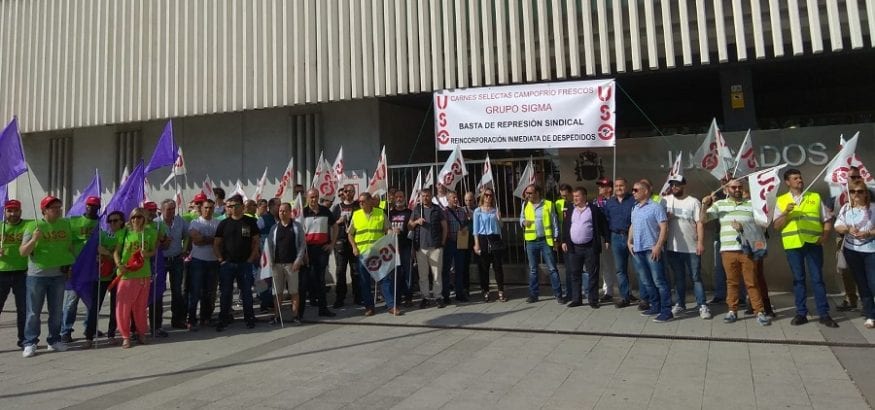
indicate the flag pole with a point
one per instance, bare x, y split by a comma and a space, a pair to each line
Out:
95, 303
395, 287
279, 305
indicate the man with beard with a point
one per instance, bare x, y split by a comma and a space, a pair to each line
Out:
13, 266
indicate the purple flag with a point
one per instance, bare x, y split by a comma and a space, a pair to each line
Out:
129, 195
159, 277
4, 196
85, 276
165, 151
93, 189
11, 155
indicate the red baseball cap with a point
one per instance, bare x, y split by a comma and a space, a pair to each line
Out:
92, 201
200, 197
48, 200
150, 206
12, 204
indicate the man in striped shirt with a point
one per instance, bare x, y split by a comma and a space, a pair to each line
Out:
735, 214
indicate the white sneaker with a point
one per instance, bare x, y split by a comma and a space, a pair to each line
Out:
29, 351
677, 309
869, 324
57, 347
704, 312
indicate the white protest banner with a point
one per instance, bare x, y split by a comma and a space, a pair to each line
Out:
571, 114
763, 193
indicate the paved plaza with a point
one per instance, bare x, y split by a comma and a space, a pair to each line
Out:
476, 355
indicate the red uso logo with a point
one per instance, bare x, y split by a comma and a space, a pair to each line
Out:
605, 130
749, 157
443, 133
767, 185
385, 254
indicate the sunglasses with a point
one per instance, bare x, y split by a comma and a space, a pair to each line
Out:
138, 217
528, 193
114, 220
857, 191
233, 206
734, 187
855, 177
635, 190
487, 195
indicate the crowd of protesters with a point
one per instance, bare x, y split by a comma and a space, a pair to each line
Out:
217, 244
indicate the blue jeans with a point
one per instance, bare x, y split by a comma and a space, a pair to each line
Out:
39, 290
386, 288
240, 272
202, 276
536, 248
71, 305
862, 265
455, 259
797, 258
681, 263
405, 279
652, 275
621, 260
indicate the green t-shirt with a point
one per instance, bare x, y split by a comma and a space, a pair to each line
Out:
12, 235
82, 227
53, 250
130, 242
109, 241
190, 216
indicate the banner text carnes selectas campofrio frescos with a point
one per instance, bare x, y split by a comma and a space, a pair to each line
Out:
549, 115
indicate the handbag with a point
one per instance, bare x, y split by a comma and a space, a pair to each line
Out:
494, 243
136, 260
463, 235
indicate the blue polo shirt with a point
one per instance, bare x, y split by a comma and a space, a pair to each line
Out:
646, 218
619, 214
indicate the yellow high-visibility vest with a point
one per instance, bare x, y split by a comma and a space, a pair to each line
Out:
530, 233
368, 228
804, 224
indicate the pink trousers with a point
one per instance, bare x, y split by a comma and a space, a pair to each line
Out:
132, 298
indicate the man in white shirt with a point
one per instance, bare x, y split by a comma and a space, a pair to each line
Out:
685, 245
204, 268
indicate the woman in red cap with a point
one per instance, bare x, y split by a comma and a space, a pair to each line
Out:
136, 245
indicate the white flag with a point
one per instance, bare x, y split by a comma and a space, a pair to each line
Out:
379, 183
838, 190
675, 170
238, 190
125, 174
317, 174
207, 188
486, 181
286, 179
414, 194
746, 161
327, 183
382, 257
713, 156
266, 271
298, 207
837, 169
428, 182
527, 178
763, 193
259, 188
454, 169
178, 167
338, 165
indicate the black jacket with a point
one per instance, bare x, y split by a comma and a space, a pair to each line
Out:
599, 226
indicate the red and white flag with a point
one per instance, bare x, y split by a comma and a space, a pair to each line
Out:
486, 181
286, 180
763, 193
266, 271
837, 189
178, 167
837, 169
338, 165
527, 178
414, 193
746, 161
454, 169
259, 188
180, 204
428, 182
379, 183
713, 156
674, 171
207, 188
